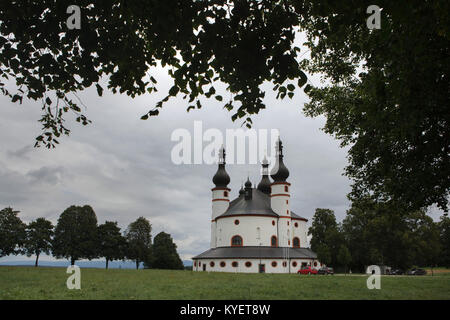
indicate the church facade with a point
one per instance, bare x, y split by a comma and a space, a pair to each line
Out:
257, 231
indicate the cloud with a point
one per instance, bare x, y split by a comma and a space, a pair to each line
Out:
121, 165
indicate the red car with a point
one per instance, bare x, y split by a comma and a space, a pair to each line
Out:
307, 270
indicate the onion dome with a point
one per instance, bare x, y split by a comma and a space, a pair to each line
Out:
264, 184
248, 190
221, 178
241, 191
279, 172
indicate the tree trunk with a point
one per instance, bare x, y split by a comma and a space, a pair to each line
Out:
72, 261
137, 264
37, 258
107, 263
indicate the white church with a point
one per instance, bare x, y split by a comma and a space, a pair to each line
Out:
257, 231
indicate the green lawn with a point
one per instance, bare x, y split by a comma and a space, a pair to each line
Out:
50, 283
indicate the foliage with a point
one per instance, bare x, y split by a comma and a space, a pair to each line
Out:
139, 241
39, 238
165, 254
386, 233
444, 230
112, 244
388, 96
325, 236
12, 232
240, 43
76, 234
344, 257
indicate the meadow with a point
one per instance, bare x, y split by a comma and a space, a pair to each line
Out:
50, 283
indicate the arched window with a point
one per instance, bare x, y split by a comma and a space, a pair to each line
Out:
296, 242
248, 264
225, 193
195, 263
273, 222
234, 264
286, 189
236, 241
284, 264
273, 241
211, 263
296, 225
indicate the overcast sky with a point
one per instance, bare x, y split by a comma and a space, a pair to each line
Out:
122, 167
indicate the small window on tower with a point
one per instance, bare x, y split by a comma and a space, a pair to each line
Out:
287, 201
225, 193
286, 189
236, 222
273, 241
273, 222
296, 225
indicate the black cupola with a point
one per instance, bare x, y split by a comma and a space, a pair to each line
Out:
279, 172
221, 179
264, 184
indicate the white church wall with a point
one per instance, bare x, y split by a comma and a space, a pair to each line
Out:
247, 228
280, 266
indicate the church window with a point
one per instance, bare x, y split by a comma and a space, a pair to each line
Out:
288, 223
211, 263
236, 222
225, 193
273, 222
274, 264
248, 264
296, 225
236, 241
273, 241
234, 264
296, 242
195, 263
294, 264
315, 263
284, 264
286, 189
223, 264
287, 201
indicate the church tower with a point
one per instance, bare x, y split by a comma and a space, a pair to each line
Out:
280, 197
220, 195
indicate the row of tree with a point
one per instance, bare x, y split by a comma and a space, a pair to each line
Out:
77, 236
375, 232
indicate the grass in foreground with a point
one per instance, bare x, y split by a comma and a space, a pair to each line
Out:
50, 283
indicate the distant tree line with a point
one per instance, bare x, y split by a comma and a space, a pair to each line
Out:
78, 236
375, 232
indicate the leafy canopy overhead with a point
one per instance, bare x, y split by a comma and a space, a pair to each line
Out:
241, 43
388, 92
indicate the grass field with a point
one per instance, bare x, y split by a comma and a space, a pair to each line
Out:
50, 283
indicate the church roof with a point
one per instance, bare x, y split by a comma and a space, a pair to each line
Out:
258, 204
257, 253
296, 216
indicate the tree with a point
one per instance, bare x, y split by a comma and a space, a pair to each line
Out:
139, 241
325, 235
39, 238
111, 242
165, 254
76, 234
240, 43
12, 232
444, 235
323, 254
344, 257
387, 98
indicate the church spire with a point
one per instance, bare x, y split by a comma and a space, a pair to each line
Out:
221, 179
279, 172
264, 184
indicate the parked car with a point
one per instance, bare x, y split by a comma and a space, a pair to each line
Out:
397, 272
307, 270
416, 272
325, 270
